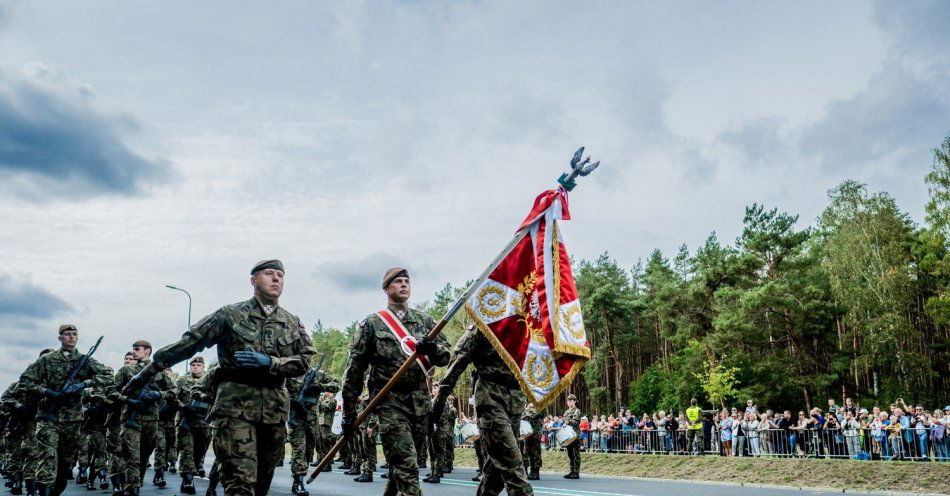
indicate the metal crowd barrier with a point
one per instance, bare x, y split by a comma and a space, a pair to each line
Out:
823, 443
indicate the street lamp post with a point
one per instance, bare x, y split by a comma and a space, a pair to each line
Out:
169, 286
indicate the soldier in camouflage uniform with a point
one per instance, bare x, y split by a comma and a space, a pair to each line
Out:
441, 447
499, 403
368, 439
166, 443
403, 412
572, 417
58, 435
260, 345
532, 443
96, 410
326, 439
114, 461
194, 435
139, 421
322, 382
355, 446
205, 391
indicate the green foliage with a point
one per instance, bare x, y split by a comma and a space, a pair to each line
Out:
719, 383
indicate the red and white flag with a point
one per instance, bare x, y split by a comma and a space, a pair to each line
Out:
528, 307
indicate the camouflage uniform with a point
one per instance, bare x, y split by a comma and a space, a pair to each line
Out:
21, 410
327, 410
252, 404
368, 433
97, 407
139, 432
58, 438
194, 434
572, 417
166, 445
441, 447
300, 457
499, 403
355, 445
532, 444
403, 412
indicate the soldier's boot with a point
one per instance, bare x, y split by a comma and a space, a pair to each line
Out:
447, 470
478, 476
16, 483
298, 488
9, 480
81, 476
364, 477
346, 465
435, 478
118, 484
213, 479
30, 487
353, 471
328, 467
187, 483
533, 475
103, 479
201, 472
159, 479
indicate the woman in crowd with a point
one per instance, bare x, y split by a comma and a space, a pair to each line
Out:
751, 427
738, 435
725, 432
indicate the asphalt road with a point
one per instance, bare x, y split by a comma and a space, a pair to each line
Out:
460, 483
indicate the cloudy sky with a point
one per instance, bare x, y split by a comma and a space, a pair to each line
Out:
153, 143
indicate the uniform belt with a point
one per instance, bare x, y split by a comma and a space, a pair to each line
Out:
250, 379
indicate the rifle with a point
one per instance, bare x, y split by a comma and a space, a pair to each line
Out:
303, 402
54, 406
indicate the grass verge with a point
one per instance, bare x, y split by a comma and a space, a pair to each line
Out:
842, 474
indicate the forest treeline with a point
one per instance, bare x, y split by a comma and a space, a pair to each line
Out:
857, 305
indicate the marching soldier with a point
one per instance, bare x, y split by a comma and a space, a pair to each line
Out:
97, 406
260, 345
532, 443
302, 430
59, 417
194, 435
355, 445
166, 444
327, 409
378, 345
205, 391
20, 437
368, 438
572, 417
440, 442
115, 464
499, 403
447, 434
139, 422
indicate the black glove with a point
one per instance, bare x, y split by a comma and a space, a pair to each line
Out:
347, 425
151, 396
53, 394
138, 381
252, 359
426, 346
74, 388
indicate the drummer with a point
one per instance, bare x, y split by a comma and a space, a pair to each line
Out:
572, 419
499, 403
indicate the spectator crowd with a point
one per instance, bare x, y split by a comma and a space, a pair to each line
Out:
899, 432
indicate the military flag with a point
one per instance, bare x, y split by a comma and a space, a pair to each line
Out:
528, 306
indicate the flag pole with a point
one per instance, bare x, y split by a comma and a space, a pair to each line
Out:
579, 169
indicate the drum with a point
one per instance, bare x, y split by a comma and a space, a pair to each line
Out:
565, 436
470, 433
526, 430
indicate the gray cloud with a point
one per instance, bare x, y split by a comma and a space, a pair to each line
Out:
52, 140
23, 301
361, 274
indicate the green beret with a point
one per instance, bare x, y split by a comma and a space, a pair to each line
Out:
268, 264
392, 274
